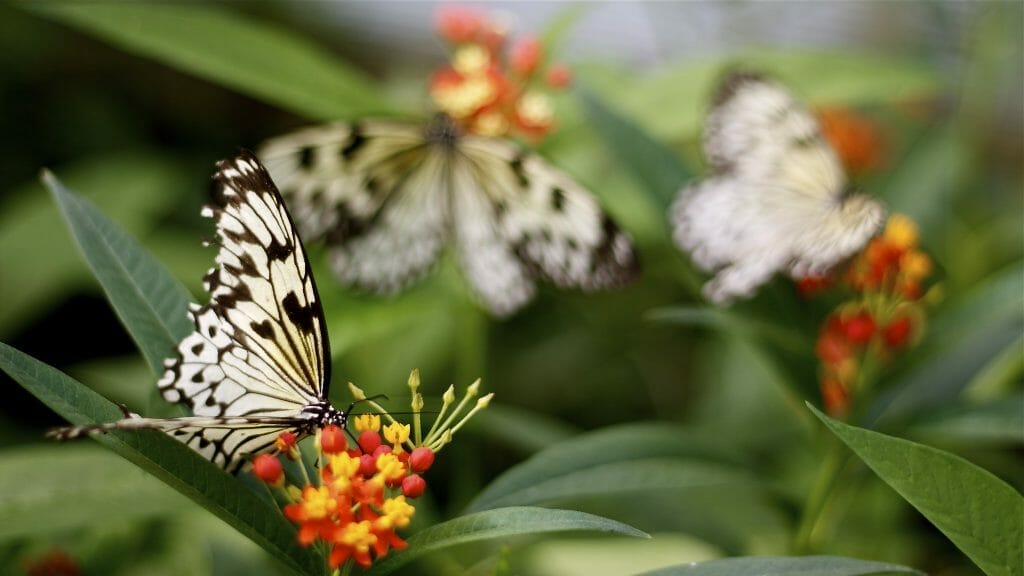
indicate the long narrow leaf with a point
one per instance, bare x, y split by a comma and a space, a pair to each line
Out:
982, 515
675, 457
499, 524
169, 460
149, 301
228, 49
784, 566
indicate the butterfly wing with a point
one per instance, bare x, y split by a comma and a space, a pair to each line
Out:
260, 345
227, 442
518, 219
375, 191
777, 198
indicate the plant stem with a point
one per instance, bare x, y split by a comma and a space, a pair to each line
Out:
828, 473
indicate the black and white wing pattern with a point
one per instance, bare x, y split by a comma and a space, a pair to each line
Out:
258, 362
777, 198
387, 196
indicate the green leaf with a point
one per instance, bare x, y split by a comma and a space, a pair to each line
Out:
731, 323
654, 164
784, 566
982, 515
169, 460
38, 264
228, 49
36, 496
149, 301
998, 421
624, 458
499, 524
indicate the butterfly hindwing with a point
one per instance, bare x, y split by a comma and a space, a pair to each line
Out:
539, 222
777, 198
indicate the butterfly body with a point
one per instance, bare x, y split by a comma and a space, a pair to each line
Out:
388, 196
257, 363
776, 199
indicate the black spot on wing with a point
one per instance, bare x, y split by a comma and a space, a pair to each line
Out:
306, 156
517, 168
280, 252
732, 83
299, 315
356, 139
264, 329
557, 199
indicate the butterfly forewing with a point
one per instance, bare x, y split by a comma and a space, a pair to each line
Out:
387, 196
777, 198
257, 363
374, 191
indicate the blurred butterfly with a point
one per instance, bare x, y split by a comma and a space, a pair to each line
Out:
258, 363
777, 198
386, 197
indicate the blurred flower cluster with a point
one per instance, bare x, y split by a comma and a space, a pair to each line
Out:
361, 495
884, 315
487, 89
858, 140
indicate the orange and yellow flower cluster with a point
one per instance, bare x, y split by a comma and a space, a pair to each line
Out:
884, 316
361, 496
857, 139
488, 91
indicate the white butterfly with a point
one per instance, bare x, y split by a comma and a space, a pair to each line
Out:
777, 197
388, 196
258, 362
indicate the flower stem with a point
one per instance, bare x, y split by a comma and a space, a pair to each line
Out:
828, 473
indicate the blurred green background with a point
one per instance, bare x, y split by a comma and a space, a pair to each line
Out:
136, 129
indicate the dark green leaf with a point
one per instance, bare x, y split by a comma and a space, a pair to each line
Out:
169, 460
499, 524
254, 58
654, 164
38, 263
37, 494
783, 566
982, 515
148, 300
625, 458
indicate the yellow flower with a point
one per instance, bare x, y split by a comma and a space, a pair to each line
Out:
915, 264
397, 434
317, 502
366, 422
491, 123
356, 535
471, 59
901, 231
397, 513
390, 469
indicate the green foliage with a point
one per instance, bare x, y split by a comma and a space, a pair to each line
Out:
980, 513
816, 565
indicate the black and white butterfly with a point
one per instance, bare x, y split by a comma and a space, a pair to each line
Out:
258, 362
777, 197
387, 197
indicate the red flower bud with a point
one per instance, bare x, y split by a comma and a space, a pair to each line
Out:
458, 24
897, 332
834, 396
413, 486
333, 440
559, 76
525, 55
367, 465
860, 328
421, 459
382, 449
268, 468
369, 440
831, 348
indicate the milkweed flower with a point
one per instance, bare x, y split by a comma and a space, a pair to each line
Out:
360, 496
884, 314
488, 89
858, 140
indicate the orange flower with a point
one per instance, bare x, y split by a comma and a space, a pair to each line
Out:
857, 140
